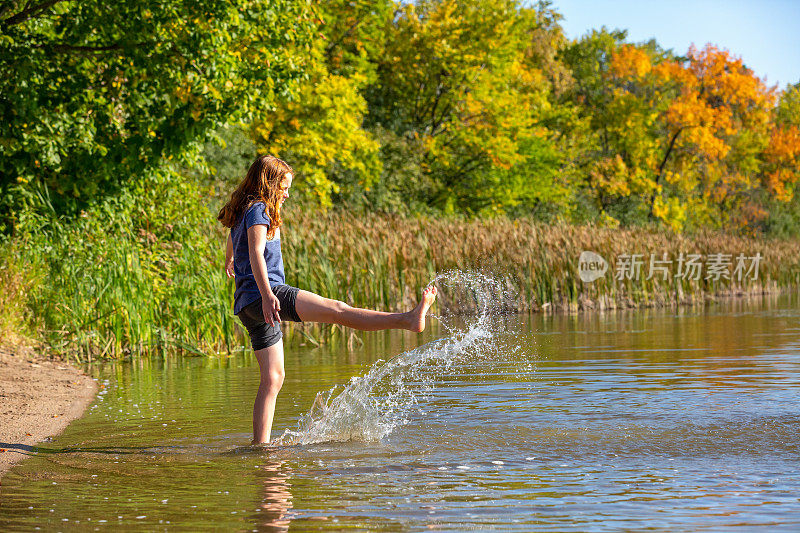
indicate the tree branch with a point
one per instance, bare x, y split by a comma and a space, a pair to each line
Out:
467, 166
440, 90
334, 44
5, 9
29, 12
661, 169
435, 129
666, 155
91, 49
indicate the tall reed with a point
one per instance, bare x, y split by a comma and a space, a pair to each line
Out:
89, 292
384, 261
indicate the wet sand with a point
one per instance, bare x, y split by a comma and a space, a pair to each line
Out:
38, 399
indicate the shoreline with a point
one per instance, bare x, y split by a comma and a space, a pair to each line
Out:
40, 397
673, 300
315, 332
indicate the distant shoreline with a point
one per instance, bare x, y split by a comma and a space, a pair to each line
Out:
673, 300
40, 397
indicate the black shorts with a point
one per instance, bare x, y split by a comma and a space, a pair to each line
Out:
262, 335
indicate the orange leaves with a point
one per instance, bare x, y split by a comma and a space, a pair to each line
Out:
674, 72
718, 99
782, 157
784, 144
714, 126
776, 182
718, 96
717, 87
630, 62
726, 81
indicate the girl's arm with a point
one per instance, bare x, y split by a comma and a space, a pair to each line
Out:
229, 257
256, 242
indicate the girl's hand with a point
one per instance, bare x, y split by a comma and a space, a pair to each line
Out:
271, 307
229, 268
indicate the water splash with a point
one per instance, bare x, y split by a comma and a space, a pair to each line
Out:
371, 406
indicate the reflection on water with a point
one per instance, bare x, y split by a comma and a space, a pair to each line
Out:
277, 497
680, 420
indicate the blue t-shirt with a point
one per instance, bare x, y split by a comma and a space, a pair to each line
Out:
246, 288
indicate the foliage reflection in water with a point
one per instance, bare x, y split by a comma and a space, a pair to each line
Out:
651, 419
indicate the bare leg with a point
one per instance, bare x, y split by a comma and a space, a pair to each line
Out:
314, 308
270, 361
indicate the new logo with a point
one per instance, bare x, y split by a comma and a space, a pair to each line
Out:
591, 266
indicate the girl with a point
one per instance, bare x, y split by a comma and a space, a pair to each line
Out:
262, 298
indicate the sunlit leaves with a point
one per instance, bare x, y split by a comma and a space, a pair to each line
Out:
93, 95
320, 133
461, 82
320, 130
439, 106
677, 131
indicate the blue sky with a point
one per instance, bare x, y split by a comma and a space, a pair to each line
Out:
765, 33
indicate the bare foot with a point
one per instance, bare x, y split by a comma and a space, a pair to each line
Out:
417, 315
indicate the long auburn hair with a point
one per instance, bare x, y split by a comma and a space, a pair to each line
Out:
261, 184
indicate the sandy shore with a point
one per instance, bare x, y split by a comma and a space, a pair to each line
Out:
38, 399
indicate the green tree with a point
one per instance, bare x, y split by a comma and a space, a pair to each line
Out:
94, 95
616, 138
781, 168
320, 134
354, 34
460, 95
320, 130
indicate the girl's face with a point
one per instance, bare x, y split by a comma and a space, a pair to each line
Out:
285, 184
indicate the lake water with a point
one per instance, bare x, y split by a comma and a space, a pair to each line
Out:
657, 420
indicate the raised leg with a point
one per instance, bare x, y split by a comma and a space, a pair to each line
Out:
314, 308
270, 362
